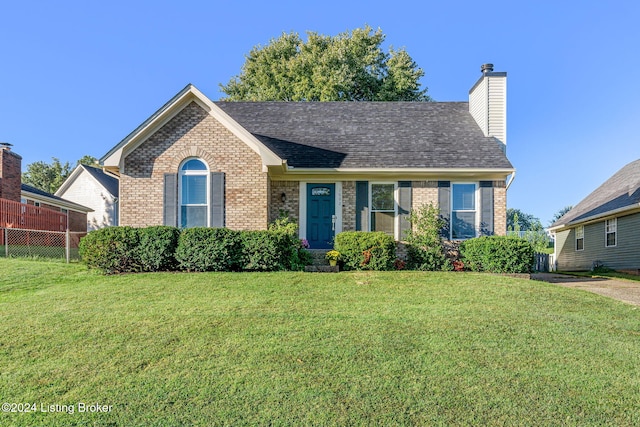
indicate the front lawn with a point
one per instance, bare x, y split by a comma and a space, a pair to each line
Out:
394, 348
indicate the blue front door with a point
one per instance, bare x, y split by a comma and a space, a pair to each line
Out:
321, 209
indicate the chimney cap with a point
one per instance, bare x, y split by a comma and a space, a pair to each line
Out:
5, 145
486, 68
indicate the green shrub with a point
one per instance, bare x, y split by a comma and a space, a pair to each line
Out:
263, 251
285, 224
424, 241
273, 249
158, 247
161, 248
361, 250
112, 249
209, 249
295, 255
498, 254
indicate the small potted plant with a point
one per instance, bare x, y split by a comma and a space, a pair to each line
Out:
333, 256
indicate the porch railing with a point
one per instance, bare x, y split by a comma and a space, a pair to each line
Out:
30, 217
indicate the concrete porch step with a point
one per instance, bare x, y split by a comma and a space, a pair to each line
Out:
319, 264
318, 256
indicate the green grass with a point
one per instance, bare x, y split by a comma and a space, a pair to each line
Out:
397, 348
31, 251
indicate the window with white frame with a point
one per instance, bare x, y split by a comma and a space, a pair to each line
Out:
580, 238
194, 194
610, 230
463, 211
383, 207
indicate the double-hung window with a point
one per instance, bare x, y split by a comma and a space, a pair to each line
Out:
610, 230
463, 211
580, 238
383, 208
194, 194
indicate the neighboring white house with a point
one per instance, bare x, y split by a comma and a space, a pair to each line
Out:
92, 187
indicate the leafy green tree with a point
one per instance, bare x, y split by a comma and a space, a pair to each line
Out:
46, 176
87, 160
425, 248
560, 214
348, 67
527, 227
520, 221
50, 176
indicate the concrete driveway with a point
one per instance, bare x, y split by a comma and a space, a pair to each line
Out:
622, 290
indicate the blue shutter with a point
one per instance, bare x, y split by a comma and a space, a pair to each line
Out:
362, 203
486, 208
404, 207
170, 199
216, 200
444, 203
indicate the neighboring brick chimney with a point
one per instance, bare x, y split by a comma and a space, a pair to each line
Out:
10, 173
488, 103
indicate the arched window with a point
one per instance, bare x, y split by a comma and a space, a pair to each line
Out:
193, 194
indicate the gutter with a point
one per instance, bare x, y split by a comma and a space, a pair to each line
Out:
513, 176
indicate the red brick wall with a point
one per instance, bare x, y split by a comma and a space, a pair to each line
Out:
194, 133
10, 175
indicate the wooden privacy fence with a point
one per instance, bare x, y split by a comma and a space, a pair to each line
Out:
30, 217
544, 262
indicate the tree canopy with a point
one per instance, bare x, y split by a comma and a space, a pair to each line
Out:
560, 214
348, 67
520, 221
50, 176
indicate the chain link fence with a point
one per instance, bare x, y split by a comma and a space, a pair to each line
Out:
17, 242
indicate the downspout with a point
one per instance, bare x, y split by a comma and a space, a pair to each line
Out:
513, 176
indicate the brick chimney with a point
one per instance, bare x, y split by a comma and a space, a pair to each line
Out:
10, 173
488, 103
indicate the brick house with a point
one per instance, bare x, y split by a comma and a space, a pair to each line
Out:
334, 166
35, 201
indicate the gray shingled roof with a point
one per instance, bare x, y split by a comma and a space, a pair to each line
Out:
620, 191
370, 134
109, 182
52, 197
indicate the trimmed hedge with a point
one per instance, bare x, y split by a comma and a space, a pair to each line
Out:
272, 250
363, 250
209, 249
112, 249
498, 254
160, 248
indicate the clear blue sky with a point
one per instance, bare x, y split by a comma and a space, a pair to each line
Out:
78, 76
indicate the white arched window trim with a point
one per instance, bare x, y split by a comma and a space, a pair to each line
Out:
194, 189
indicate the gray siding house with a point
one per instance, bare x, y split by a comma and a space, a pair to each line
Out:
604, 228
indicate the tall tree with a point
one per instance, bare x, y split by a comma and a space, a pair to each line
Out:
50, 176
560, 214
46, 176
520, 221
87, 160
348, 67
